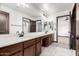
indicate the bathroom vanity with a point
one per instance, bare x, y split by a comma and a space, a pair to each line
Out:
29, 45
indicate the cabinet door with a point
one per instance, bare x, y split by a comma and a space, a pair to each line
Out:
45, 42
77, 47
30, 51
10, 50
38, 48
51, 38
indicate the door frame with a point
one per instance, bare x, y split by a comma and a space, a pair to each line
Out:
57, 25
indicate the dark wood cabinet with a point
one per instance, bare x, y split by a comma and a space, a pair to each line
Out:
11, 50
38, 46
77, 47
51, 38
29, 43
30, 51
4, 22
47, 40
30, 47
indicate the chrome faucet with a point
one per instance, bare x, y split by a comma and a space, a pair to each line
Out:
20, 34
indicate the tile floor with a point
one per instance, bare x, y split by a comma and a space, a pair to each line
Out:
64, 42
56, 49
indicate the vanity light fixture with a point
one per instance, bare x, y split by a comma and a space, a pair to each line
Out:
18, 4
23, 5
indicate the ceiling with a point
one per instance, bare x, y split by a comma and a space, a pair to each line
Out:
37, 9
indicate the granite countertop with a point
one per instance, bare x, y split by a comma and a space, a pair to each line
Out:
6, 40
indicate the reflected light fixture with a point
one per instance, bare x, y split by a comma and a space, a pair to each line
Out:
45, 9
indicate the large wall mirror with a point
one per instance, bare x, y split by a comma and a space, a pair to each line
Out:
25, 25
39, 26
4, 22
45, 25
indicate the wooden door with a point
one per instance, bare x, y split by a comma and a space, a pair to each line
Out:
73, 29
30, 51
77, 29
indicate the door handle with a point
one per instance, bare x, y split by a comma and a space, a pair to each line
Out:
72, 36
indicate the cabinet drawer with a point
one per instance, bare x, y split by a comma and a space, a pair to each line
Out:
43, 37
18, 54
8, 50
38, 40
29, 43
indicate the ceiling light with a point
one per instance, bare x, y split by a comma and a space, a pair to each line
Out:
18, 4
45, 6
25, 5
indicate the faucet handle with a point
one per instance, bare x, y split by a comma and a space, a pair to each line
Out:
17, 32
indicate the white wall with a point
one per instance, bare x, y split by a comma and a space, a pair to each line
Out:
15, 18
